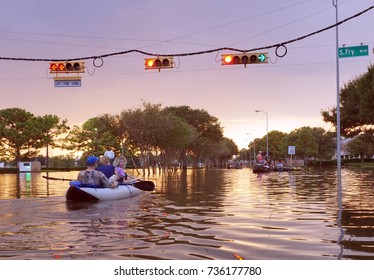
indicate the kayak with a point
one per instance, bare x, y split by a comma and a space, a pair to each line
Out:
83, 192
260, 168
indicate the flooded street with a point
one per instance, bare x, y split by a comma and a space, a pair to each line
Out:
203, 214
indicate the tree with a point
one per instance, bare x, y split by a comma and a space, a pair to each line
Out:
276, 147
326, 143
140, 126
207, 127
174, 139
362, 145
311, 142
17, 129
304, 141
218, 153
22, 134
154, 131
357, 103
108, 133
51, 131
85, 138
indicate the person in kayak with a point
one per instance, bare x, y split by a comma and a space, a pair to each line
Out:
106, 167
259, 158
94, 177
120, 165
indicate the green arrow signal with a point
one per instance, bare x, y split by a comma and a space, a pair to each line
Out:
262, 57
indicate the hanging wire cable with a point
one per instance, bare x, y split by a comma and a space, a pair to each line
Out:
276, 46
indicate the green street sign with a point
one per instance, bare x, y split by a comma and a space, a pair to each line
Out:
353, 51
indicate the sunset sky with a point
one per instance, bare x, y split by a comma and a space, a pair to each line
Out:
292, 90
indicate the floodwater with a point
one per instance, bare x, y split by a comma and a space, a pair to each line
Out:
221, 214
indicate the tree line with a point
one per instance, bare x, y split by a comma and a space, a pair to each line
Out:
156, 136
151, 134
311, 143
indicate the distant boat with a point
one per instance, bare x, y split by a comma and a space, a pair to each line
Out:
260, 168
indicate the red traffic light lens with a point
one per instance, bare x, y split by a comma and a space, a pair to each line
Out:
61, 67
158, 63
53, 66
236, 60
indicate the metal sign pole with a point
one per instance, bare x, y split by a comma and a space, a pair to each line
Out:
338, 147
338, 133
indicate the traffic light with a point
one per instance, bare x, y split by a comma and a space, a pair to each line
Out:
244, 58
159, 63
66, 67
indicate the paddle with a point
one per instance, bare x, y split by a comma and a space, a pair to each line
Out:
141, 185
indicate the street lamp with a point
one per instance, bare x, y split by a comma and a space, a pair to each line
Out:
267, 135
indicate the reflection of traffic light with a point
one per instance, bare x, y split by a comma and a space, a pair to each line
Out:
67, 67
158, 63
244, 58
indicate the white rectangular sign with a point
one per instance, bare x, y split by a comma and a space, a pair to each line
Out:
291, 150
67, 83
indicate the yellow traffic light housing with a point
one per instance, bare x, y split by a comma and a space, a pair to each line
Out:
66, 67
244, 58
160, 62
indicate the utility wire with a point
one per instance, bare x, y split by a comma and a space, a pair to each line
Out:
278, 45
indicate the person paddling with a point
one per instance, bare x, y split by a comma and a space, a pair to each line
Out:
92, 176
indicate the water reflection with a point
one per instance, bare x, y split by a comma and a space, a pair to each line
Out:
32, 185
199, 214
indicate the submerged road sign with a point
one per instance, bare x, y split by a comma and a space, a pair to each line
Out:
353, 51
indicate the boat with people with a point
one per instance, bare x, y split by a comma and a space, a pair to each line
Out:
264, 168
261, 168
85, 192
